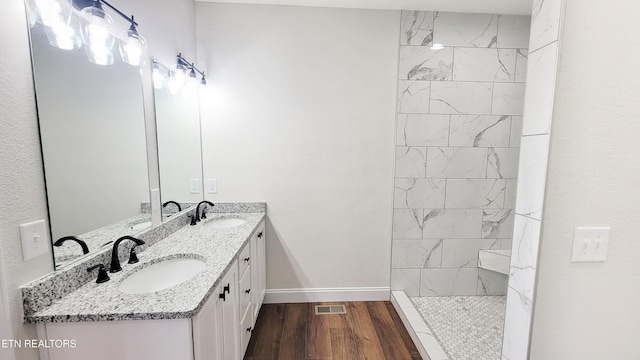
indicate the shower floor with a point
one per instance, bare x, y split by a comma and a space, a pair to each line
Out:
467, 327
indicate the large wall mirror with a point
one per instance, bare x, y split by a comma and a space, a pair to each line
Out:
179, 143
92, 131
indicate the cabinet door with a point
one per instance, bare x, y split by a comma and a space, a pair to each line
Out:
230, 313
208, 331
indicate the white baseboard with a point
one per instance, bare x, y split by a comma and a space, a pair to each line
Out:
279, 296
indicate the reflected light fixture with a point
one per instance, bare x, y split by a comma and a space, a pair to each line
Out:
437, 46
181, 78
71, 24
158, 78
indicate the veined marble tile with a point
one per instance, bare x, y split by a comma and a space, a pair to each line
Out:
416, 253
468, 30
513, 31
422, 130
532, 174
540, 90
502, 163
480, 130
416, 28
492, 283
424, 63
411, 162
413, 96
475, 193
407, 223
516, 131
419, 193
508, 99
449, 97
456, 162
510, 194
459, 253
458, 224
517, 326
491, 65
522, 59
545, 22
445, 282
497, 223
524, 256
407, 280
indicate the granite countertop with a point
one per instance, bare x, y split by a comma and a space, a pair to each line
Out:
104, 302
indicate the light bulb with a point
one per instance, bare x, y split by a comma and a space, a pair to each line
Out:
63, 33
172, 86
179, 74
97, 35
49, 11
158, 79
133, 47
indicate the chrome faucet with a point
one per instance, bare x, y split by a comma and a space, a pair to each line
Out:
204, 214
85, 248
115, 262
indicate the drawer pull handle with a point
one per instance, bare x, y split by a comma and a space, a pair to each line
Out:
222, 296
247, 291
249, 329
247, 259
260, 235
227, 289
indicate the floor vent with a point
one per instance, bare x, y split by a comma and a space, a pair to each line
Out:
330, 309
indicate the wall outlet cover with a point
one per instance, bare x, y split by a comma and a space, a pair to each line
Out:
35, 241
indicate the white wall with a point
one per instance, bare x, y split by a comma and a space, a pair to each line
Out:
168, 27
303, 118
590, 311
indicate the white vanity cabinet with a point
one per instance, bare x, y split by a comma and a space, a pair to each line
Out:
215, 331
220, 331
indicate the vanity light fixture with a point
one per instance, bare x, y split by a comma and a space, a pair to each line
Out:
69, 24
183, 76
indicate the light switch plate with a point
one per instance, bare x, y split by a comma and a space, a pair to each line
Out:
212, 186
590, 244
35, 241
194, 185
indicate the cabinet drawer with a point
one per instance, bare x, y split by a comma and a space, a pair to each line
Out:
246, 329
244, 288
244, 260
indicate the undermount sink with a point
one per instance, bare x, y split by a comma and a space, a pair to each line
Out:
162, 275
140, 226
224, 223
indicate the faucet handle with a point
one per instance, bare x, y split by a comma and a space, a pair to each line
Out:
133, 257
102, 273
204, 214
193, 220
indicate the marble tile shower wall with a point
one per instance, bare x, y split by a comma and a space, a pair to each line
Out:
458, 137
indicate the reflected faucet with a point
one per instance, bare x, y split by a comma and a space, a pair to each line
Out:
204, 214
172, 202
115, 262
85, 248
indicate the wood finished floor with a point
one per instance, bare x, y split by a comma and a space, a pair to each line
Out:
368, 331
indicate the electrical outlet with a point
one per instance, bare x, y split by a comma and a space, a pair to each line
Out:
590, 244
35, 241
194, 185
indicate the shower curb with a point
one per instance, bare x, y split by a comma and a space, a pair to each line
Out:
422, 336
